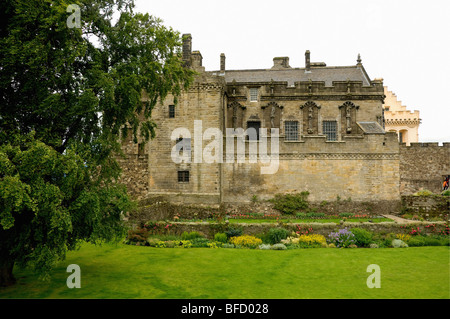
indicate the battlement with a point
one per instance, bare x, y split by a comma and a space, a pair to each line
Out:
423, 145
308, 89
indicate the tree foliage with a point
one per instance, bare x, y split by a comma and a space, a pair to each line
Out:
66, 96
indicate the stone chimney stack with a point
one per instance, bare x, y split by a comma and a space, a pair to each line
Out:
281, 63
187, 49
222, 62
307, 61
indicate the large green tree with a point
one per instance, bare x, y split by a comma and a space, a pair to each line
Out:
66, 94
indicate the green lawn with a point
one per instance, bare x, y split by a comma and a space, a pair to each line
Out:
124, 271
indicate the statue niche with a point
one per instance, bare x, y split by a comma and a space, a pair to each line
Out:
235, 114
310, 117
348, 118
272, 115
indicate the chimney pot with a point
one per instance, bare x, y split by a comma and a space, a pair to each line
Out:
222, 62
187, 49
307, 61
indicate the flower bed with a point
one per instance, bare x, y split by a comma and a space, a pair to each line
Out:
162, 235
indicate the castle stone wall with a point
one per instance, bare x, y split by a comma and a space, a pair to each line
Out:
363, 169
423, 166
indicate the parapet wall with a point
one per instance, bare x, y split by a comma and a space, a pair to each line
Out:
423, 166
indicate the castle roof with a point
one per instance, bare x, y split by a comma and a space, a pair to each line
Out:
292, 75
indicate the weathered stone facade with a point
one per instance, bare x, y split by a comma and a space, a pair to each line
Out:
328, 123
423, 166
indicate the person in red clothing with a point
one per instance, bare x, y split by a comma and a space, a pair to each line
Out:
446, 182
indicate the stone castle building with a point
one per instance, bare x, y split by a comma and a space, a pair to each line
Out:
400, 120
317, 128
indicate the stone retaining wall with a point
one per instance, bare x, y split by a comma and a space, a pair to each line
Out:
209, 229
427, 206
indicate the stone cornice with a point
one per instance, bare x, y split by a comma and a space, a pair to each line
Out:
324, 97
402, 121
323, 156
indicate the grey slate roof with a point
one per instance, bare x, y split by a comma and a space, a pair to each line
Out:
371, 127
291, 75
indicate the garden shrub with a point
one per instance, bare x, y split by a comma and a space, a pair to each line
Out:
432, 241
246, 241
192, 235
446, 193
397, 243
346, 215
221, 237
300, 215
233, 232
199, 242
418, 241
264, 246
227, 245
278, 247
275, 235
290, 203
342, 238
152, 242
214, 244
423, 192
363, 237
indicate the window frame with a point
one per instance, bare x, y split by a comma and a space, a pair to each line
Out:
183, 176
253, 94
289, 135
329, 133
257, 130
171, 111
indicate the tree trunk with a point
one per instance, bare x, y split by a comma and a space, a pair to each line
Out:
6, 273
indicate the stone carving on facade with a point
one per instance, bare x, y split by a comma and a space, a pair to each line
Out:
236, 110
273, 114
311, 113
349, 115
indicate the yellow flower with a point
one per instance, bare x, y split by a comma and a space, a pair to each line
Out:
246, 241
312, 239
404, 237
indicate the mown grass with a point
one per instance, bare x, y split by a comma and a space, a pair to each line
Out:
125, 272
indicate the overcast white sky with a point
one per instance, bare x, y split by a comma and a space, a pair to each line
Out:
404, 42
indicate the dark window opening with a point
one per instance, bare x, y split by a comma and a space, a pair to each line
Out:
253, 130
183, 176
171, 111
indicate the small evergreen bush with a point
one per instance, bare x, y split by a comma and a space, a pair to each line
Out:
275, 235
363, 237
192, 235
221, 237
199, 242
290, 203
234, 232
